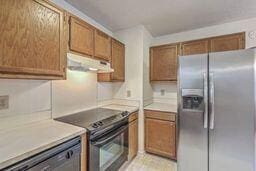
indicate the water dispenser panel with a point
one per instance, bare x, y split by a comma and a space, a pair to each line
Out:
192, 99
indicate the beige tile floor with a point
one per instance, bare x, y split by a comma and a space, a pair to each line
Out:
148, 162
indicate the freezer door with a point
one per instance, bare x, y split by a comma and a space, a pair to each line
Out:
231, 122
192, 139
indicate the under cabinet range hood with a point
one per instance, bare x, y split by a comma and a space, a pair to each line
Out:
81, 63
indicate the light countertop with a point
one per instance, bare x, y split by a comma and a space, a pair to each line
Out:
21, 142
130, 109
163, 107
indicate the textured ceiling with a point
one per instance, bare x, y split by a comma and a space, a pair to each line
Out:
163, 17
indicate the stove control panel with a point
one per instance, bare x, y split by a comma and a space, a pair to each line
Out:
110, 120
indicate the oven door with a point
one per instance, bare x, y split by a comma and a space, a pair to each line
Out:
109, 152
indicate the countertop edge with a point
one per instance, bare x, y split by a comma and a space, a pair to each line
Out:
40, 149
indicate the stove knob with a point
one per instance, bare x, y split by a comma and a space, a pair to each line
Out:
100, 123
125, 113
95, 125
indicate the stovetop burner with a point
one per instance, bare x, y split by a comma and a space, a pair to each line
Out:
95, 119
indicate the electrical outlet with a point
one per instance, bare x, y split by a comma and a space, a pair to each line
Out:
162, 92
128, 93
4, 102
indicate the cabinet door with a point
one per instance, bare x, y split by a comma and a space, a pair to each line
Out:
195, 47
31, 41
160, 137
133, 139
81, 36
102, 45
118, 60
227, 42
163, 63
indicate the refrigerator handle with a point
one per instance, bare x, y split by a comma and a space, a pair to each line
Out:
211, 101
205, 100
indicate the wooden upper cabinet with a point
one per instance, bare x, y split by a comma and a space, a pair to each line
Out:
118, 60
163, 62
195, 47
117, 63
81, 36
102, 45
32, 40
227, 42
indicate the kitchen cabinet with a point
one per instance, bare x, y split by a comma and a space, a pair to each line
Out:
133, 135
195, 47
160, 133
81, 37
102, 45
227, 42
84, 161
117, 63
163, 62
32, 43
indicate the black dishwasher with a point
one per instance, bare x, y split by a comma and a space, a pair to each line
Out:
63, 157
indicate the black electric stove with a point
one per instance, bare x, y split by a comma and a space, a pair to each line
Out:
107, 131
96, 120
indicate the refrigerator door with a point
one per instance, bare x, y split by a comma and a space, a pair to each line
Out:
192, 113
232, 109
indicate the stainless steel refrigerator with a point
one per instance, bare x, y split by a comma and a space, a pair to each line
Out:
216, 113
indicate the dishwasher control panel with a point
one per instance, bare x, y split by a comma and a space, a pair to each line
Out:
193, 100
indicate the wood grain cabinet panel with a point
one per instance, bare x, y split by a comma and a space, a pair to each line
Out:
227, 42
84, 146
117, 63
32, 40
81, 36
163, 62
118, 60
195, 47
133, 136
102, 45
160, 137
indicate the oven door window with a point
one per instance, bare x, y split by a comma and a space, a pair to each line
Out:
111, 151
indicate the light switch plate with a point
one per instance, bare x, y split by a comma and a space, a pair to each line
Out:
4, 102
162, 92
128, 93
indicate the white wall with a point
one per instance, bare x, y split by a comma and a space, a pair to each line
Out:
147, 87
137, 41
77, 93
170, 92
133, 40
222, 29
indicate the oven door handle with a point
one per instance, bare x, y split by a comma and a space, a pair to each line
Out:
109, 138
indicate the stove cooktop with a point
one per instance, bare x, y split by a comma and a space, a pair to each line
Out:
94, 119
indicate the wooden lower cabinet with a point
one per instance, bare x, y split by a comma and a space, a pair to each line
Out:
133, 135
160, 134
84, 161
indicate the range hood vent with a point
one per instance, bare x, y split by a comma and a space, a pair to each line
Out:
85, 64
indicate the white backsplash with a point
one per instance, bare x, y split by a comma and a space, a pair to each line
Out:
169, 95
26, 97
77, 93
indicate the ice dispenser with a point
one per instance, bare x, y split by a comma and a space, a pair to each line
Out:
193, 100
